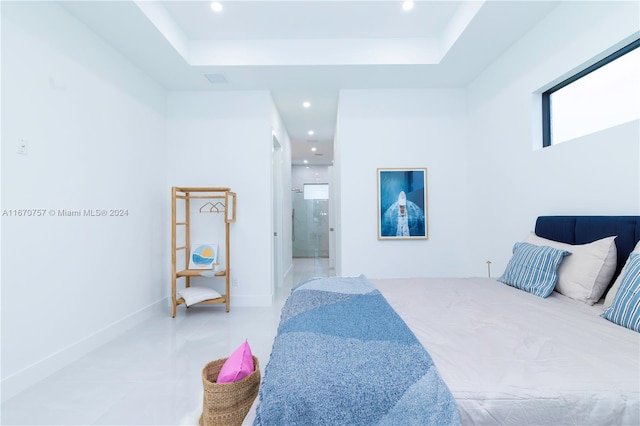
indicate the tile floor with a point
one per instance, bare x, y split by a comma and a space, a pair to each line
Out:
151, 375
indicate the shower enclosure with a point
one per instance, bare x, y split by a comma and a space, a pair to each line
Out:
310, 226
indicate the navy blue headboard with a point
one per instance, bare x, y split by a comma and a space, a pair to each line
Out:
586, 229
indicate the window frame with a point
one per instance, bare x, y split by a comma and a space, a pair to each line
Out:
546, 95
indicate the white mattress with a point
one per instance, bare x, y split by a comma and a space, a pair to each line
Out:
510, 357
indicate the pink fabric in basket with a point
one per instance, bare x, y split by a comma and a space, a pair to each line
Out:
238, 366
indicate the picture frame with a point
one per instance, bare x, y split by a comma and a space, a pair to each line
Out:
203, 256
402, 204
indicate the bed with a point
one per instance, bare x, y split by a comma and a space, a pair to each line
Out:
487, 352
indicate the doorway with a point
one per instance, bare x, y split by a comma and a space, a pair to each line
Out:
310, 227
310, 212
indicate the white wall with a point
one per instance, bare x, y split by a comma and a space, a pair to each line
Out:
510, 182
402, 128
308, 174
224, 139
95, 131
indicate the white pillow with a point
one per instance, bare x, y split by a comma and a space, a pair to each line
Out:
196, 294
585, 274
608, 300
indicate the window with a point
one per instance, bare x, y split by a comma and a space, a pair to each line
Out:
316, 191
603, 95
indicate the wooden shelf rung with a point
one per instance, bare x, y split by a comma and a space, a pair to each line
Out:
198, 272
207, 196
202, 189
221, 299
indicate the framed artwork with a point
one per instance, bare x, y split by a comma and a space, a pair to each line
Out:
203, 256
402, 204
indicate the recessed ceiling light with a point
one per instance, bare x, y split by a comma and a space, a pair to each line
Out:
305, 161
407, 5
310, 132
314, 149
306, 104
216, 7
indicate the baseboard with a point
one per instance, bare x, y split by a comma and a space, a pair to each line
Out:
28, 376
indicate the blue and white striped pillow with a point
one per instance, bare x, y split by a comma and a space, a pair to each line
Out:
533, 269
625, 308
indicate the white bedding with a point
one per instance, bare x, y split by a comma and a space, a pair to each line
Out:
510, 357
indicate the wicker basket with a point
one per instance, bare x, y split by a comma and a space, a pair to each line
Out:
227, 404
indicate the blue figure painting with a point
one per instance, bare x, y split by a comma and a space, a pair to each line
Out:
402, 203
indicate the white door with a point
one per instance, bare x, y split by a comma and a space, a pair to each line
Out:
276, 200
332, 222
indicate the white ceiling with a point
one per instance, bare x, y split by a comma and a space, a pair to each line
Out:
310, 50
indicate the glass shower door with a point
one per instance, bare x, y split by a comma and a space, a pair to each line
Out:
310, 227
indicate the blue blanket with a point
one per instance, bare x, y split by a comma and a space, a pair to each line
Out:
343, 356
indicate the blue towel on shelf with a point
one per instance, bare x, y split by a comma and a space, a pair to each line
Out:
343, 356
